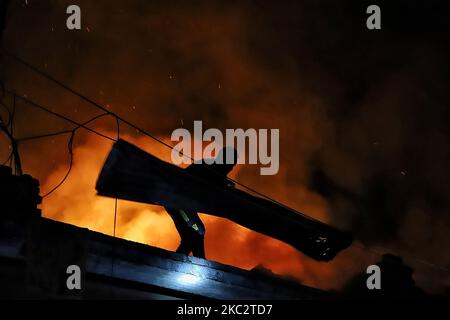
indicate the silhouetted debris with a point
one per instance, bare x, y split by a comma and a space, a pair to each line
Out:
132, 174
110, 267
117, 268
19, 198
396, 282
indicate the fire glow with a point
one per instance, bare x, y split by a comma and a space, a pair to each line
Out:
76, 202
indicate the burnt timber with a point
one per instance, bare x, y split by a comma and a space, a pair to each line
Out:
130, 173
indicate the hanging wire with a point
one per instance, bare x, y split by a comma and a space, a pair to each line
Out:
9, 157
56, 114
7, 123
115, 199
70, 148
113, 251
16, 155
47, 135
3, 123
13, 113
14, 145
2, 104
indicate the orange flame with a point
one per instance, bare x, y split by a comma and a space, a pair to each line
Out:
76, 202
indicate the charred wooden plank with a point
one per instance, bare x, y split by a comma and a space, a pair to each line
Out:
130, 173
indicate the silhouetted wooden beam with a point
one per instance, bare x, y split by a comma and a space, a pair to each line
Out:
130, 173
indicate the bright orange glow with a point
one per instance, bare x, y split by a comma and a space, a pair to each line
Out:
76, 202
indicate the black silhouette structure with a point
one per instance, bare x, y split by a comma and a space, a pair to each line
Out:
35, 253
130, 173
19, 198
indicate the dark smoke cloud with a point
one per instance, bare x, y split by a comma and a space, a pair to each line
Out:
363, 115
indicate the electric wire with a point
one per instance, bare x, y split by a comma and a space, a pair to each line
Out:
70, 147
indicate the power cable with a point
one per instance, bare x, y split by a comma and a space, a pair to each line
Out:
47, 135
64, 117
70, 147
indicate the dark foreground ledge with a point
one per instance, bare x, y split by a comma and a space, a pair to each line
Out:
34, 261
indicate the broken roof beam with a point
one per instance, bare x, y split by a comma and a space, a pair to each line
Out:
132, 174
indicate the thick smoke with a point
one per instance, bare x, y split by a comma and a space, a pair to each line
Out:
364, 140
